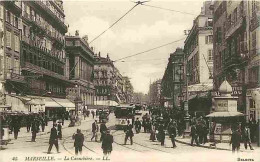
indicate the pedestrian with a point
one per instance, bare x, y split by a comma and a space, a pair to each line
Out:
46, 120
172, 131
103, 129
161, 134
148, 125
34, 129
153, 133
246, 137
129, 132
194, 135
93, 113
62, 118
16, 127
54, 119
60, 130
78, 141
107, 145
199, 128
144, 125
87, 113
137, 125
28, 123
53, 139
205, 132
94, 130
235, 140
43, 123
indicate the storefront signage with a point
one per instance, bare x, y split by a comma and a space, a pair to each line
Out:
237, 90
222, 105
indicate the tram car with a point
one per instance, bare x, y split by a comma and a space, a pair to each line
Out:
138, 109
123, 114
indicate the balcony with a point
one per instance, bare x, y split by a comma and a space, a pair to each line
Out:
57, 20
40, 70
15, 6
43, 50
15, 77
255, 21
233, 28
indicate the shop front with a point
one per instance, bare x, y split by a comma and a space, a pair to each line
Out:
58, 108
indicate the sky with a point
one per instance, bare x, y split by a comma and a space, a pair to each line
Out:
142, 29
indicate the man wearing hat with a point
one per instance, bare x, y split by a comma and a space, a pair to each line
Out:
78, 143
107, 144
137, 125
129, 132
103, 129
53, 139
246, 137
94, 130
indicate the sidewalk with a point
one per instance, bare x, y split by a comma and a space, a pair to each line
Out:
23, 131
219, 146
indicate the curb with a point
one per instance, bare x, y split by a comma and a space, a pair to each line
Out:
215, 148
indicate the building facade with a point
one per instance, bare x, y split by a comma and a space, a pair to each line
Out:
172, 81
236, 50
33, 56
198, 48
80, 65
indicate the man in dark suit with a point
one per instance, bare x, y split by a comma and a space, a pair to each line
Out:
129, 132
94, 130
107, 145
53, 139
194, 134
34, 128
235, 140
246, 137
78, 143
137, 125
103, 129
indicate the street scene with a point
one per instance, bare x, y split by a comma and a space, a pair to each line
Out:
129, 80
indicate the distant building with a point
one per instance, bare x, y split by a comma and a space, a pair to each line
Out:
155, 93
128, 90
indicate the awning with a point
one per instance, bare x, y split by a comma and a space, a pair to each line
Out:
35, 102
58, 102
106, 103
225, 114
5, 106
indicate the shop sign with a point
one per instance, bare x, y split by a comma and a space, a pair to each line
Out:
222, 105
237, 90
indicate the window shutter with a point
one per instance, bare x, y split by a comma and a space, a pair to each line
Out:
1, 12
20, 24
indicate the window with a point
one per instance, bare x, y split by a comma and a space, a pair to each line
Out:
16, 66
209, 39
210, 22
251, 103
210, 55
16, 22
8, 63
24, 30
16, 43
8, 16
8, 39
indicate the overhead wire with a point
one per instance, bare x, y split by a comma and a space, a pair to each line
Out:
113, 24
170, 10
139, 53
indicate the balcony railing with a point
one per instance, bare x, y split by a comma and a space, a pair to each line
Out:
15, 77
255, 21
233, 27
51, 14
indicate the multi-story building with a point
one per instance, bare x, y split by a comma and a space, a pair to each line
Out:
128, 90
34, 55
252, 72
198, 49
104, 80
172, 80
81, 65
